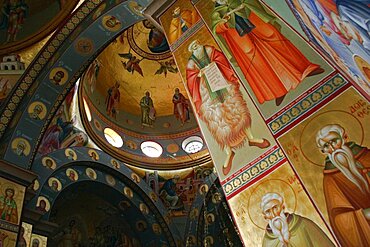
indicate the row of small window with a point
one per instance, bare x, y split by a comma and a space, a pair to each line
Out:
192, 144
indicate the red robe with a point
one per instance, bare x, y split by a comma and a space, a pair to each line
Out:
345, 202
271, 64
193, 80
226, 118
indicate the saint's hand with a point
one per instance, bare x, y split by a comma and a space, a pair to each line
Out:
366, 212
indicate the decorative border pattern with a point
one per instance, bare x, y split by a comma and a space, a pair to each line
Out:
306, 104
253, 171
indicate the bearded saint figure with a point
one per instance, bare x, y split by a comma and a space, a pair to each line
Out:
271, 64
224, 111
289, 229
181, 21
346, 185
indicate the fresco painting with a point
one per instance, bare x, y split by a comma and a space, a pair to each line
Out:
7, 238
330, 151
276, 211
11, 201
38, 240
25, 22
227, 115
340, 29
252, 37
62, 132
178, 19
24, 239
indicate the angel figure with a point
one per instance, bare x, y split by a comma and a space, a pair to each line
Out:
132, 64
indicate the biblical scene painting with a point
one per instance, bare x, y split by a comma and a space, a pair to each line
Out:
234, 131
177, 192
276, 211
24, 22
341, 30
273, 62
330, 151
11, 201
96, 219
178, 19
62, 132
140, 54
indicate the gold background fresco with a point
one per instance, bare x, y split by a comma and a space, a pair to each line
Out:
268, 108
300, 146
245, 154
246, 205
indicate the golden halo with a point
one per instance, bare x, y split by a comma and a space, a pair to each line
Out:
51, 180
135, 8
68, 173
110, 180
114, 28
53, 164
70, 154
270, 186
135, 177
128, 192
363, 66
90, 173
36, 185
139, 228
99, 11
6, 186
62, 80
47, 207
156, 228
307, 142
115, 163
27, 148
31, 108
91, 152
203, 189
153, 196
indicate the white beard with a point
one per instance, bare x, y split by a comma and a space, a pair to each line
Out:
343, 158
283, 234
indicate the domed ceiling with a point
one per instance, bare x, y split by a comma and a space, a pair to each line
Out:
129, 91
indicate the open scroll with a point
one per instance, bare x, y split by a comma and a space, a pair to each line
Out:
215, 78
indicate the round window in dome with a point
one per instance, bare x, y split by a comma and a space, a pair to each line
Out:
192, 144
151, 149
113, 138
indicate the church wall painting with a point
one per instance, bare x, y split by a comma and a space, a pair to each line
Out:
25, 22
62, 131
38, 240
340, 29
7, 238
330, 152
274, 63
277, 210
227, 148
178, 19
11, 201
25, 233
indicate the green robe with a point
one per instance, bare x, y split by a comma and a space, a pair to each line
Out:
303, 233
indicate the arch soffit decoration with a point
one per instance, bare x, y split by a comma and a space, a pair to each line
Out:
85, 26
121, 174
